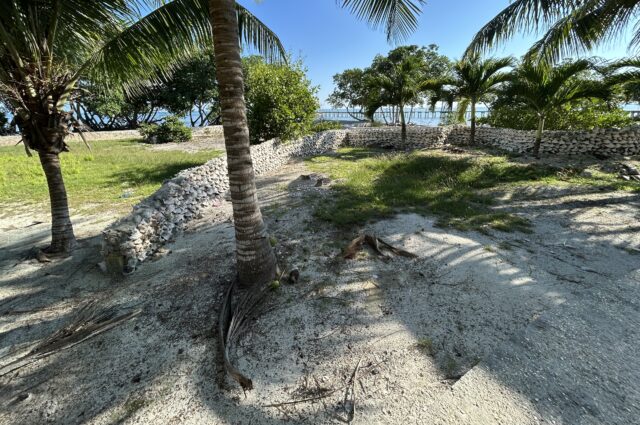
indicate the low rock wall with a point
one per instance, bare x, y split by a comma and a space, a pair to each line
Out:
609, 141
157, 219
624, 141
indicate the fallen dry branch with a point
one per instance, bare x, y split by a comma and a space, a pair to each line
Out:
231, 323
326, 392
305, 400
375, 243
87, 323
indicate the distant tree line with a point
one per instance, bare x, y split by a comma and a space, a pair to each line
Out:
527, 94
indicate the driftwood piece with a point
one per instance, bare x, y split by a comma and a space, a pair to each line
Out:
375, 243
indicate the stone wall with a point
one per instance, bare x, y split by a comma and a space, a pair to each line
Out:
389, 137
609, 141
602, 141
157, 219
214, 131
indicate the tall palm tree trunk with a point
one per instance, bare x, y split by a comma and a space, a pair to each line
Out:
473, 122
256, 261
62, 238
403, 124
538, 142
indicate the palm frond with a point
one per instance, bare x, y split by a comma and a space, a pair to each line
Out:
256, 34
399, 18
461, 111
623, 73
149, 49
569, 26
521, 15
582, 29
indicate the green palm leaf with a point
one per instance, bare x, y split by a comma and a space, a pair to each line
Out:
399, 18
570, 27
172, 32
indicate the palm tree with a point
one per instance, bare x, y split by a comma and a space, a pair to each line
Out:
543, 88
256, 263
396, 81
473, 80
46, 47
569, 26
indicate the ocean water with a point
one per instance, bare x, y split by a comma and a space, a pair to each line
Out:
417, 116
420, 116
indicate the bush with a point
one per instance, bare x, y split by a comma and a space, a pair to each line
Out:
171, 130
280, 100
323, 125
581, 115
450, 118
3, 123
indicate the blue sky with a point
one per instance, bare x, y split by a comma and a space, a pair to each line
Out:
330, 40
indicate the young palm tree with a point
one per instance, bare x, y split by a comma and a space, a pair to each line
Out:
543, 88
473, 80
256, 262
570, 26
396, 79
46, 47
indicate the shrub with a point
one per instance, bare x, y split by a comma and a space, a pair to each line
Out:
281, 102
581, 115
171, 130
5, 127
323, 125
3, 123
450, 118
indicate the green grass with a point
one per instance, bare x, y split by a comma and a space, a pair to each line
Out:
372, 184
114, 176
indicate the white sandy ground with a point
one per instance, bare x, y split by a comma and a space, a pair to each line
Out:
502, 328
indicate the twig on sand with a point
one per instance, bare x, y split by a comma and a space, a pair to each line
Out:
326, 394
331, 332
387, 335
351, 387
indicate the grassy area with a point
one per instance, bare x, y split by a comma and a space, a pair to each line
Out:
373, 184
114, 176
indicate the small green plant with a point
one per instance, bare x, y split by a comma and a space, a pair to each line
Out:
450, 366
171, 130
273, 241
426, 346
324, 125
